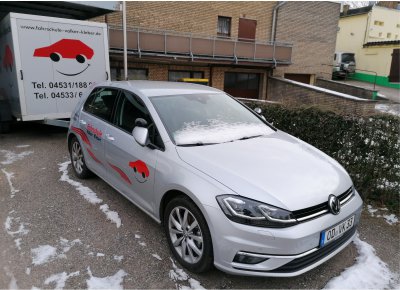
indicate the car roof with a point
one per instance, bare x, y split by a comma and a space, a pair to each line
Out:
161, 88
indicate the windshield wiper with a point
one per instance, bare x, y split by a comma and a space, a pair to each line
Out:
196, 144
245, 138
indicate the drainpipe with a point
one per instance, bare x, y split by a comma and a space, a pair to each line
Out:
125, 42
274, 19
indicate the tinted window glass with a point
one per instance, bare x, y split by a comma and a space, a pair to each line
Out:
101, 103
129, 109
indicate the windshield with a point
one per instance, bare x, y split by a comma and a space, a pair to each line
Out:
202, 119
347, 57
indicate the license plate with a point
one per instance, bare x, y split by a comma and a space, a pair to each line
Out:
336, 231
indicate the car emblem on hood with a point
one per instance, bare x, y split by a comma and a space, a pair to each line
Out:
334, 204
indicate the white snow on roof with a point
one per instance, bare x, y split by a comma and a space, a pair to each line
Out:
9, 176
346, 96
60, 279
218, 132
109, 282
369, 271
11, 157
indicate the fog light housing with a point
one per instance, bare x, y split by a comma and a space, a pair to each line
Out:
245, 258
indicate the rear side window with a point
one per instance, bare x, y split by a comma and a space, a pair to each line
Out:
101, 103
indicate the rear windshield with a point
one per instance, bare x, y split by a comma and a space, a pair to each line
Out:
348, 57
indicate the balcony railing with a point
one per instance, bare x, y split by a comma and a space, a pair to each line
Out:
149, 42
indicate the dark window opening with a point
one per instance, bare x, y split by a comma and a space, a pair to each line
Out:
242, 85
224, 26
117, 74
101, 103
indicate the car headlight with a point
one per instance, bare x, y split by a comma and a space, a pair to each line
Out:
250, 212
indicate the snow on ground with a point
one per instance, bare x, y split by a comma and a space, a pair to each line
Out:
100, 255
178, 275
143, 244
9, 176
157, 257
111, 215
46, 253
369, 271
22, 146
28, 271
118, 258
88, 194
60, 279
10, 227
137, 236
388, 108
218, 132
84, 191
13, 282
11, 157
109, 282
391, 219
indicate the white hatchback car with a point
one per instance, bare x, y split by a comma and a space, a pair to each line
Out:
229, 189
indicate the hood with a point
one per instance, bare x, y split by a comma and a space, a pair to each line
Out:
277, 169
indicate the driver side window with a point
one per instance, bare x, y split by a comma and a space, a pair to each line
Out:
129, 109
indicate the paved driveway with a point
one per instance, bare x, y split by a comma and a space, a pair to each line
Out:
52, 237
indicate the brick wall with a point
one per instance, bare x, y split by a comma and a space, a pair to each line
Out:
312, 28
298, 94
195, 17
345, 88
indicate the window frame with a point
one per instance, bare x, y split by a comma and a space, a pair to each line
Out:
95, 90
224, 18
139, 100
191, 72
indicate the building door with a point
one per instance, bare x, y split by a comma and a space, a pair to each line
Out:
242, 85
394, 76
301, 78
247, 29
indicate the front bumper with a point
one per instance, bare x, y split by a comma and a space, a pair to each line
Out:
288, 251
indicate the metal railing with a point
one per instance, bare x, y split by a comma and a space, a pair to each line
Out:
151, 42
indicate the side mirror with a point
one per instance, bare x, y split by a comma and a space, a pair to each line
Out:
141, 135
259, 112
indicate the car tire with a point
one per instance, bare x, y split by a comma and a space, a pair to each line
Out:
191, 247
78, 159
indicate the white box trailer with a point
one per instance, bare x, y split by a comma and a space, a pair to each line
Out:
47, 63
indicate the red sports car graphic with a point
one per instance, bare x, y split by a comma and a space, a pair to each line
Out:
140, 169
66, 48
8, 60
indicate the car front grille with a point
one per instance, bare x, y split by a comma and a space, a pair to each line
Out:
322, 208
303, 262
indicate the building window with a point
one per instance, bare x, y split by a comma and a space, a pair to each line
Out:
176, 75
378, 23
389, 35
224, 26
396, 36
117, 74
242, 85
380, 34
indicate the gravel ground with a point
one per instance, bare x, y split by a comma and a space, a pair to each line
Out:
47, 211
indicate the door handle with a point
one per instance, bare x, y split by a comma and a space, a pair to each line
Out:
109, 137
82, 122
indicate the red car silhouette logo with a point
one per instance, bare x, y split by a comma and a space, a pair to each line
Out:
66, 48
8, 59
140, 169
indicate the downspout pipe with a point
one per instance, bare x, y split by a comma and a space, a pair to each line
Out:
125, 40
274, 19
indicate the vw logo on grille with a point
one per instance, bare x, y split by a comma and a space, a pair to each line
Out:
334, 204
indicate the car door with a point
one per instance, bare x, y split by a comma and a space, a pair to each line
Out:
96, 114
131, 166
